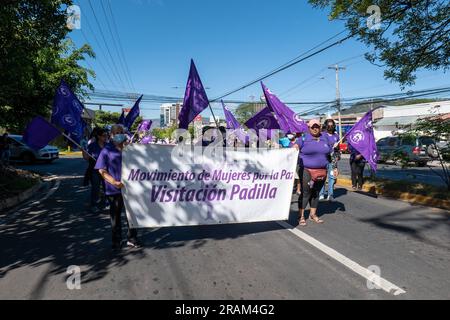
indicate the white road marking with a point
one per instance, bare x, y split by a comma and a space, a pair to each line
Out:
355, 267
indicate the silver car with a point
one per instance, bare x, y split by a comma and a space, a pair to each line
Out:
20, 151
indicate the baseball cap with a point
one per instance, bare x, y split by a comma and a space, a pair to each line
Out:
313, 122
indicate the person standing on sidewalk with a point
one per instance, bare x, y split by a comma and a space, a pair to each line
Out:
109, 164
333, 138
357, 164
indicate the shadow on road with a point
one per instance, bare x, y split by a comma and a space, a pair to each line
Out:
413, 222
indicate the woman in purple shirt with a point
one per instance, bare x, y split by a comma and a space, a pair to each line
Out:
313, 161
109, 164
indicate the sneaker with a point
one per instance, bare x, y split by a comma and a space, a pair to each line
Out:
330, 199
321, 197
354, 187
133, 244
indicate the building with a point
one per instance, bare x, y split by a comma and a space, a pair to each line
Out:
169, 114
399, 119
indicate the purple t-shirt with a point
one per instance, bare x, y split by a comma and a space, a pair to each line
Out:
94, 149
333, 138
110, 159
313, 153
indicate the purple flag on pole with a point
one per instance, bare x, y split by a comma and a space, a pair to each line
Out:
39, 133
195, 99
122, 118
289, 121
362, 138
263, 120
232, 123
67, 111
145, 125
133, 114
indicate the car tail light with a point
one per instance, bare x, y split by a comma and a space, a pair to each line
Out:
416, 150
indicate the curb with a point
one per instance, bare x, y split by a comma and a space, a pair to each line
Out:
373, 189
27, 194
78, 153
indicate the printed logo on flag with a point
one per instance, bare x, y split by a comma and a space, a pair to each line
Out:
69, 120
297, 118
357, 136
369, 125
64, 91
263, 123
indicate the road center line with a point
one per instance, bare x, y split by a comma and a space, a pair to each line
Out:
352, 265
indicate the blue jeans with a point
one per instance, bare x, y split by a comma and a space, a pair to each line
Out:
331, 181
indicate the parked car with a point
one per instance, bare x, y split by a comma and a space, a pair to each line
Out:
415, 149
20, 151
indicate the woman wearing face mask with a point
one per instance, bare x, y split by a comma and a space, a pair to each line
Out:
314, 157
109, 164
93, 175
332, 172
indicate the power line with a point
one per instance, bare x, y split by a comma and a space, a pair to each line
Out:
120, 42
106, 44
289, 64
127, 77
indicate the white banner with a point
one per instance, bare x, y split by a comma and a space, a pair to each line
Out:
165, 187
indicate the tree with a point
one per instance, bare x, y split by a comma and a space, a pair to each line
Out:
244, 112
437, 127
413, 34
35, 54
105, 118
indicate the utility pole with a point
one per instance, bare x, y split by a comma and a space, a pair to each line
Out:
338, 97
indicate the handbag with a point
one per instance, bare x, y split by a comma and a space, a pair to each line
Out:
317, 174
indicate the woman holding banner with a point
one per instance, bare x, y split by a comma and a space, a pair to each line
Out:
109, 164
314, 158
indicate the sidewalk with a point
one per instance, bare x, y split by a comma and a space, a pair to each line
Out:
390, 189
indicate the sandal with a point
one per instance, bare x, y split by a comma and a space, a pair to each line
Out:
316, 219
302, 222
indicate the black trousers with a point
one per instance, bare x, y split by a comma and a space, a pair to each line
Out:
116, 206
309, 194
357, 168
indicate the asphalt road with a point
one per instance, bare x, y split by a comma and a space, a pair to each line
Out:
391, 171
43, 237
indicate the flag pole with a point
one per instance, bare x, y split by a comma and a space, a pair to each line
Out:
212, 112
81, 148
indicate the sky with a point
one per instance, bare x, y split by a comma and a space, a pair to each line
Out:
232, 42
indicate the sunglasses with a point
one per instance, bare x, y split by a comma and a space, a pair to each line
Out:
315, 127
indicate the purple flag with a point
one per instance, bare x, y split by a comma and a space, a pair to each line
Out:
39, 133
361, 138
122, 118
232, 123
263, 120
67, 111
132, 115
195, 99
147, 140
289, 121
145, 125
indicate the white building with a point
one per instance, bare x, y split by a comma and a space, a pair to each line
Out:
398, 119
169, 114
